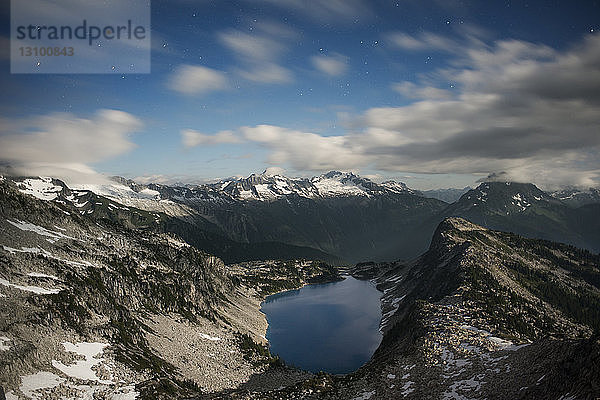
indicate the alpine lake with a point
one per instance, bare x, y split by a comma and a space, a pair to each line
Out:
331, 327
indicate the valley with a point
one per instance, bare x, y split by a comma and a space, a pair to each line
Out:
108, 304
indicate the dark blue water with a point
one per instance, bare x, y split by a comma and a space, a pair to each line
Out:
332, 327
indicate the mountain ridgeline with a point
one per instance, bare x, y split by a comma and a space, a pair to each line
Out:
334, 217
342, 214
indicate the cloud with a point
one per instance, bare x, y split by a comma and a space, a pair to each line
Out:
496, 177
194, 79
272, 171
518, 107
172, 179
259, 52
423, 41
525, 109
64, 145
332, 65
251, 46
191, 138
304, 150
412, 91
267, 73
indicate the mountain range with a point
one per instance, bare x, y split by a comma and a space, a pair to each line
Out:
333, 217
110, 307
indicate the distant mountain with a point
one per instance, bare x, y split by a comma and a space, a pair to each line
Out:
447, 195
263, 187
339, 213
578, 198
342, 214
525, 209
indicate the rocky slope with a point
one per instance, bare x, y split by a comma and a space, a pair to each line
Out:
482, 314
93, 308
576, 197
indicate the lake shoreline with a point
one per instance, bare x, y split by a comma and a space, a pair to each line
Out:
331, 327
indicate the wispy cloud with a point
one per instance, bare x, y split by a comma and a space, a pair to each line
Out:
195, 79
423, 41
64, 145
304, 150
191, 138
334, 64
258, 53
413, 91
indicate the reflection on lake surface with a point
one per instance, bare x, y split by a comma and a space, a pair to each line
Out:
332, 327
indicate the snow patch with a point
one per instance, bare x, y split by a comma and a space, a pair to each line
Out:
501, 344
26, 226
450, 359
264, 191
32, 289
365, 396
328, 187
82, 369
150, 193
468, 385
40, 275
34, 250
407, 389
246, 194
10, 396
31, 384
41, 188
208, 337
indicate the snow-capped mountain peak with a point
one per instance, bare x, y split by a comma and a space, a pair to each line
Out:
268, 187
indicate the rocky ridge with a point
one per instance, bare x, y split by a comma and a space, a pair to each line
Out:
96, 308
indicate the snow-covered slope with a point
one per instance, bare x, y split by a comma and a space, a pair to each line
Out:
119, 193
43, 188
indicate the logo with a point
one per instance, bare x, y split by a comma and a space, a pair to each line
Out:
83, 36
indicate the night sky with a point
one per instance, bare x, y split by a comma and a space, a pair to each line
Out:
431, 93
